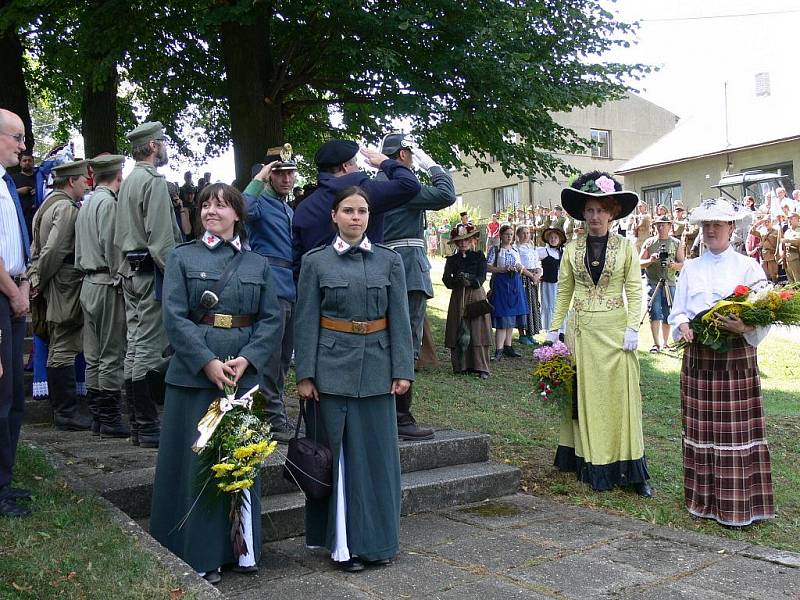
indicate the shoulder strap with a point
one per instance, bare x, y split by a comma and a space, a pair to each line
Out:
200, 311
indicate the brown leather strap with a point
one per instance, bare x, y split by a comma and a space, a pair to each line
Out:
227, 321
359, 327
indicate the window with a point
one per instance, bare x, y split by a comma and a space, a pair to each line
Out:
601, 143
665, 194
759, 190
506, 197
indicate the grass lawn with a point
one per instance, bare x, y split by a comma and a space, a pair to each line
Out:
525, 433
70, 548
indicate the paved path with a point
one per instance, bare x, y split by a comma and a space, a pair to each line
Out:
528, 547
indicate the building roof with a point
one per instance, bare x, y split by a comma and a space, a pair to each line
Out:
751, 121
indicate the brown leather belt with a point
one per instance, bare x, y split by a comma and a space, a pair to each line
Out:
359, 327
227, 321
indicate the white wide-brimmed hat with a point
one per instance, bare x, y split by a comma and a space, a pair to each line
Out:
718, 209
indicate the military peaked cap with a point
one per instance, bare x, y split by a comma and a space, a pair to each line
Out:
146, 132
284, 156
335, 152
107, 163
72, 169
394, 142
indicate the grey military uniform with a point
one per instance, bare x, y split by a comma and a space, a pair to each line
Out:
53, 272
353, 374
101, 296
145, 221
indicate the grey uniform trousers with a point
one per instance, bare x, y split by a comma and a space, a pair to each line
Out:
146, 337
417, 306
278, 366
103, 342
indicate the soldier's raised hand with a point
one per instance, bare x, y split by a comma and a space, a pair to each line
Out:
374, 158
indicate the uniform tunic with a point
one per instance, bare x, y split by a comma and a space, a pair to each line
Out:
101, 296
204, 540
354, 374
601, 438
54, 273
145, 221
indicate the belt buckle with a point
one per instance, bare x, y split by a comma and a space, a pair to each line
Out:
223, 321
359, 327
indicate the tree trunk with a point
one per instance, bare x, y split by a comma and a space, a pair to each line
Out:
256, 124
99, 115
13, 93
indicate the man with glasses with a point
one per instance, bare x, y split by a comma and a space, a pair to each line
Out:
146, 231
55, 279
14, 288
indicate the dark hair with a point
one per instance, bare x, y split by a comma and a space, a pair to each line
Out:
352, 190
610, 204
26, 153
521, 228
107, 177
232, 198
505, 228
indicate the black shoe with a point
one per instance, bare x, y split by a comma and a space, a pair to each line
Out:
510, 352
498, 355
17, 493
644, 489
381, 562
146, 441
95, 427
483, 375
74, 423
411, 431
109, 412
10, 508
213, 577
354, 565
245, 570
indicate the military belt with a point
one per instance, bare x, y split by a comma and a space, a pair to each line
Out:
275, 261
405, 242
224, 321
358, 327
97, 270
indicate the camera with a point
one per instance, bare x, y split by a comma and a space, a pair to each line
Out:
663, 256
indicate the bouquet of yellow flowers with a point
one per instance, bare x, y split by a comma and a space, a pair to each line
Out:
768, 305
554, 370
235, 440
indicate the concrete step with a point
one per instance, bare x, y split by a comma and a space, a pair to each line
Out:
130, 486
282, 515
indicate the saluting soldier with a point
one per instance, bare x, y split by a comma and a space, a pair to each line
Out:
404, 232
146, 231
54, 276
101, 297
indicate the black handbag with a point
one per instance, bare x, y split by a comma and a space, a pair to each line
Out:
478, 309
309, 463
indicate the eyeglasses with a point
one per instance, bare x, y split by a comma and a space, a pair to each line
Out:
18, 137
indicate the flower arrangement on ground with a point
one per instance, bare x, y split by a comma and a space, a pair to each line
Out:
555, 372
235, 440
762, 305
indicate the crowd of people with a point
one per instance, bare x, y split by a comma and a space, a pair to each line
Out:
216, 287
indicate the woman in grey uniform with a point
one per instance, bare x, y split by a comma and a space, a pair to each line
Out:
244, 324
353, 353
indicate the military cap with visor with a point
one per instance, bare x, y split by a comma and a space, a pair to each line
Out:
394, 142
284, 157
107, 163
72, 169
335, 152
148, 131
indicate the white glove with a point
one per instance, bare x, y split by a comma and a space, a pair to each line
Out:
422, 158
552, 336
631, 341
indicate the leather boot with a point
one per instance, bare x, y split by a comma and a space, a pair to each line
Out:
111, 425
92, 401
407, 428
149, 427
61, 385
510, 352
131, 412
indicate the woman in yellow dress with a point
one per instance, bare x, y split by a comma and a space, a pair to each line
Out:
601, 433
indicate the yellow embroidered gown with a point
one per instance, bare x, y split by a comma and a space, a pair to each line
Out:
601, 433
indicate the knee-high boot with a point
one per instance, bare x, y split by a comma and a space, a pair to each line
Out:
111, 424
407, 428
93, 398
131, 412
61, 387
149, 427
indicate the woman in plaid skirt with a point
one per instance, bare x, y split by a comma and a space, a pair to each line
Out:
726, 463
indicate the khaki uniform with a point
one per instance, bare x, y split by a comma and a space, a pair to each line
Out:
791, 240
769, 248
101, 294
690, 234
678, 227
145, 222
643, 224
53, 272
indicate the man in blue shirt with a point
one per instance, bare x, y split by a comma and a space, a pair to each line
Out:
269, 230
336, 163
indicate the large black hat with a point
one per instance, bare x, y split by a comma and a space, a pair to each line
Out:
335, 152
594, 185
284, 156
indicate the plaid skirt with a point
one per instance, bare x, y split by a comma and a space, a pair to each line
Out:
726, 463
532, 321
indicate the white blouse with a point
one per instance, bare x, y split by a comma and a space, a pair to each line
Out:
545, 251
529, 257
509, 257
712, 277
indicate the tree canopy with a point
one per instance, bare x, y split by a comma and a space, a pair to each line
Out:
462, 74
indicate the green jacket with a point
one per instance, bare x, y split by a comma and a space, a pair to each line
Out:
145, 217
52, 267
360, 284
94, 238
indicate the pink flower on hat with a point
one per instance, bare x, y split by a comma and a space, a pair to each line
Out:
605, 184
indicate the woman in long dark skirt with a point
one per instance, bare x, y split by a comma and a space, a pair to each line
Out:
530, 324
189, 514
